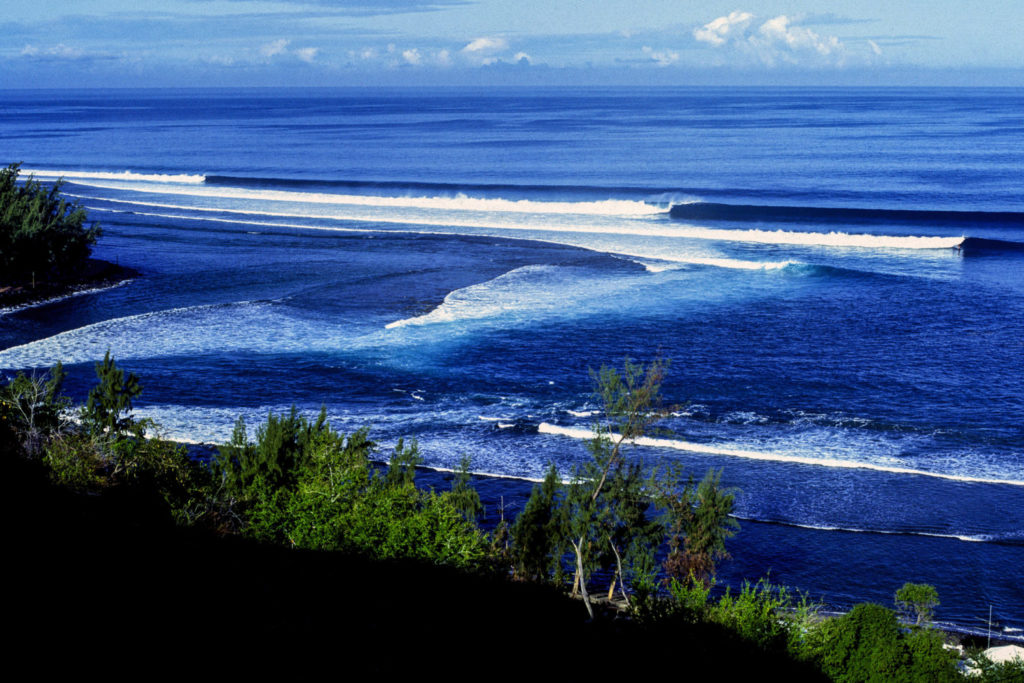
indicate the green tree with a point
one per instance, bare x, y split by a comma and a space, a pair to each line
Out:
698, 520
463, 495
402, 467
41, 233
918, 600
537, 537
632, 403
108, 408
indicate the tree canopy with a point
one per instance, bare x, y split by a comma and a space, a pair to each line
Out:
42, 234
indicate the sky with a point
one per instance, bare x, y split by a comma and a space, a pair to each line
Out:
221, 43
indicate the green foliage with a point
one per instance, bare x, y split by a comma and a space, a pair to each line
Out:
867, 644
757, 614
464, 497
41, 233
402, 468
283, 448
31, 408
987, 671
697, 520
302, 483
537, 537
711, 524
604, 505
691, 597
107, 411
918, 600
74, 461
862, 645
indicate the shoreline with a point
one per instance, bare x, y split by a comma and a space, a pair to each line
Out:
95, 274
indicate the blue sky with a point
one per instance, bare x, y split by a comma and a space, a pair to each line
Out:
97, 43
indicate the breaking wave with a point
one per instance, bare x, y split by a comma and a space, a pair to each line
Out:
579, 433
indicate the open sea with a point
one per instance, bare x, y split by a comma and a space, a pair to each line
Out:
836, 275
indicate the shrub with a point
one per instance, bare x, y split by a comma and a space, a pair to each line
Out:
31, 411
868, 644
74, 461
756, 614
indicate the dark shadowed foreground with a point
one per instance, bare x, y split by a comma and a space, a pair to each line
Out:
110, 577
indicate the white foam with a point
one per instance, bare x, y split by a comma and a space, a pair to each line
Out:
578, 433
487, 299
829, 239
46, 302
460, 202
190, 329
546, 225
886, 532
123, 175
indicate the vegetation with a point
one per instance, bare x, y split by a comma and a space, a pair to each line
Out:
918, 600
42, 235
299, 483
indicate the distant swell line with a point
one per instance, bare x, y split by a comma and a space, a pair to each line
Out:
122, 175
713, 211
578, 433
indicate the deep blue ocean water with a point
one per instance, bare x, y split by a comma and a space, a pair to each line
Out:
840, 290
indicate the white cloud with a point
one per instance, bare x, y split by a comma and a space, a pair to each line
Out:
279, 49
486, 46
779, 39
719, 31
60, 51
661, 57
778, 32
307, 54
274, 48
874, 48
412, 56
522, 56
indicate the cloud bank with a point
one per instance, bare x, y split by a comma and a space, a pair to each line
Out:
781, 39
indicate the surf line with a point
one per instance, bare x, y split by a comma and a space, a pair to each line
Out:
578, 433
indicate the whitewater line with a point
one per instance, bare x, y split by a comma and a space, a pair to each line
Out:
125, 175
460, 202
733, 264
80, 292
579, 433
812, 239
885, 532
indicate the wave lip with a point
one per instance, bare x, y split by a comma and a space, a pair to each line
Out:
123, 175
979, 245
578, 433
711, 211
829, 239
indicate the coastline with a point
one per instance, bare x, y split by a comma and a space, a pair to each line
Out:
95, 274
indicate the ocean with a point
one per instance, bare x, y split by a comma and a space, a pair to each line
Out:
836, 277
